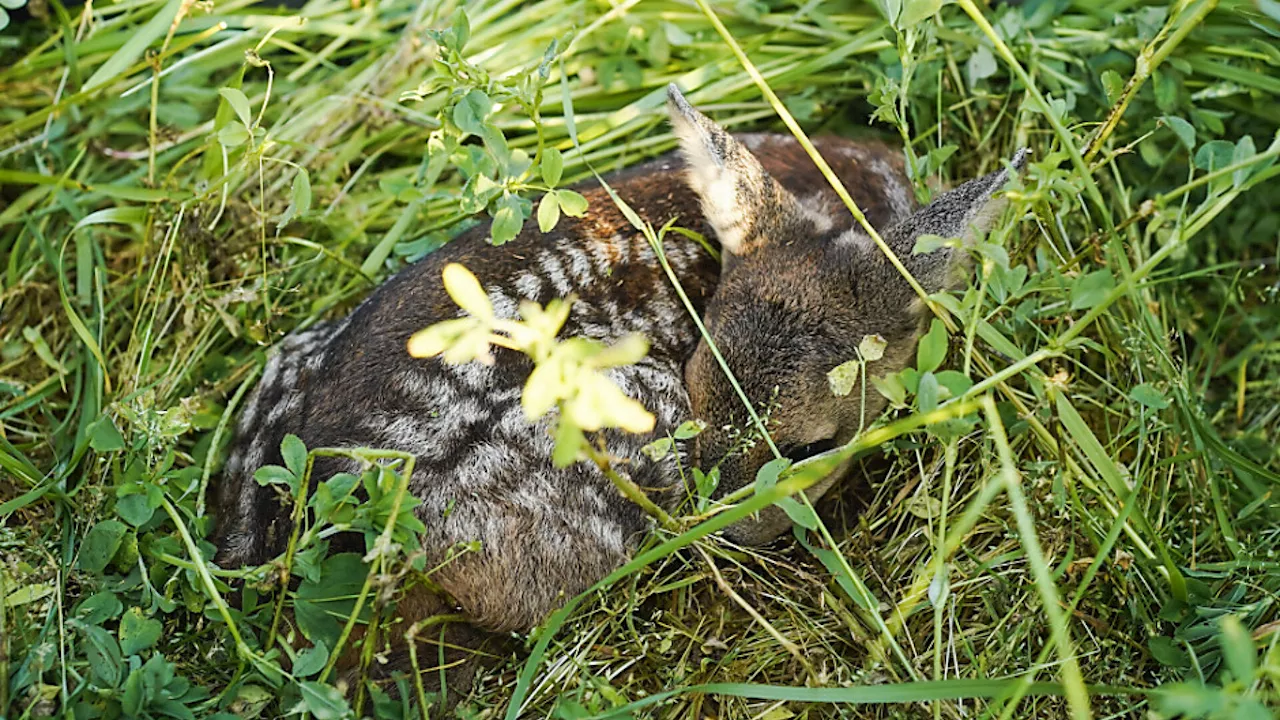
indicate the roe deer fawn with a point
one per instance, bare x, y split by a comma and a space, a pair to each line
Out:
799, 287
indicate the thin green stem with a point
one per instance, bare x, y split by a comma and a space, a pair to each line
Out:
1064, 135
1147, 61
628, 488
1072, 678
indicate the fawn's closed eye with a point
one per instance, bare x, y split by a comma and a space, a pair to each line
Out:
804, 452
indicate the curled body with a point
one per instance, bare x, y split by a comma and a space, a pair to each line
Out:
544, 532
799, 286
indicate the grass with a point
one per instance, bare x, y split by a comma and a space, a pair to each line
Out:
1091, 534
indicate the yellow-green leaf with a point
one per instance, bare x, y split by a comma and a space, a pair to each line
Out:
627, 351
573, 204
466, 291
872, 347
552, 166
434, 340
548, 212
542, 390
238, 102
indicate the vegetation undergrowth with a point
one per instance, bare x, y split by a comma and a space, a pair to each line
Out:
1072, 511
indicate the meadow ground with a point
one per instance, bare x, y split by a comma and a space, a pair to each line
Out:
182, 183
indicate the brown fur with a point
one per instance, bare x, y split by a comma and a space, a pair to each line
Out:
798, 294
799, 289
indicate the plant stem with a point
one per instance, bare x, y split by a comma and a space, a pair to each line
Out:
1147, 61
628, 488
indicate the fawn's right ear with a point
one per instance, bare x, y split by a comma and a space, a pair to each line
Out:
965, 213
743, 203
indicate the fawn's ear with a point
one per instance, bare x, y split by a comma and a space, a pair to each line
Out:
966, 212
743, 203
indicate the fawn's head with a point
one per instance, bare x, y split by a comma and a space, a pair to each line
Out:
798, 292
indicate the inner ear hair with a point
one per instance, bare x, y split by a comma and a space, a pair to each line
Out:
741, 201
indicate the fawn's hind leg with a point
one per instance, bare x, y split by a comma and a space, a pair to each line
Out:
431, 637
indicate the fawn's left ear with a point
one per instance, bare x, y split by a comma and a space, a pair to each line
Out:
744, 204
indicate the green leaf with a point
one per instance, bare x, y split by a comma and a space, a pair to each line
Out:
676, 35
99, 608
100, 545
630, 350
767, 475
658, 449
1215, 155
1245, 149
134, 699
981, 65
27, 594
138, 632
891, 388
311, 660
41, 347
844, 377
134, 509
274, 475
933, 348
658, 49
461, 29
105, 437
572, 203
706, 483
470, 113
957, 383
1167, 652
433, 340
1191, 700
324, 702
1088, 291
1112, 85
548, 212
466, 291
568, 442
917, 11
301, 201
294, 453
1146, 394
1248, 708
552, 166
238, 102
507, 220
927, 392
1185, 131
1237, 649
103, 653
689, 428
324, 605
854, 591
233, 134
800, 514
872, 347
1165, 85
108, 216
928, 243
